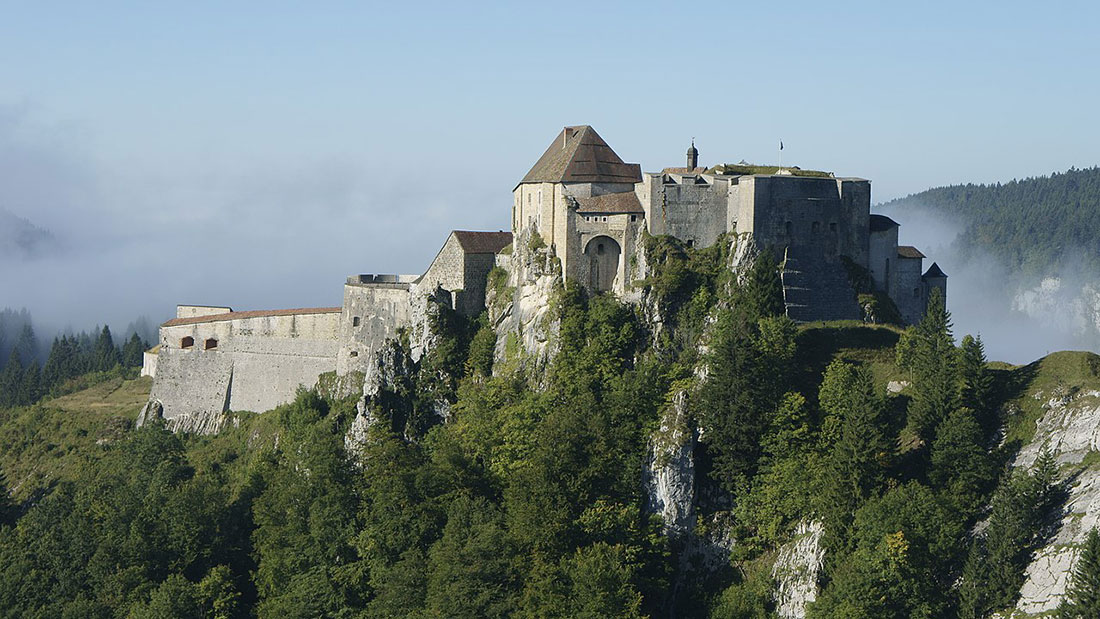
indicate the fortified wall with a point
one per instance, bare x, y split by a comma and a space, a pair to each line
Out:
586, 212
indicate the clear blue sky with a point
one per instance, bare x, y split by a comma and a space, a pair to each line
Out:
359, 133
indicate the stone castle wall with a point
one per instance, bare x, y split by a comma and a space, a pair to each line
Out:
372, 313
254, 362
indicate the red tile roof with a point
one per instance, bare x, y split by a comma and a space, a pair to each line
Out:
476, 242
625, 202
175, 322
908, 251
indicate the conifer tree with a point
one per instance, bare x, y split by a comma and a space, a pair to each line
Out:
1083, 595
11, 380
132, 351
935, 369
977, 382
104, 354
860, 448
27, 345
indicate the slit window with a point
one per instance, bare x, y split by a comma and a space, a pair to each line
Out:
633, 218
355, 321
832, 227
210, 344
599, 249
916, 292
187, 342
355, 353
790, 228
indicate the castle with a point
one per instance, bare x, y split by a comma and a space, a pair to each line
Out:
591, 210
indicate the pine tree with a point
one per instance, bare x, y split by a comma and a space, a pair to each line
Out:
132, 352
977, 382
935, 369
104, 354
27, 345
1083, 595
30, 390
11, 380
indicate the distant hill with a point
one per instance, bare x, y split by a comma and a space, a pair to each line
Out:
21, 239
1030, 225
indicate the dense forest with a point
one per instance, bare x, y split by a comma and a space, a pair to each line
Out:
526, 498
29, 372
1031, 226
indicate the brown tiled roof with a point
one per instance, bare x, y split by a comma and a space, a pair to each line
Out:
579, 155
474, 242
908, 251
175, 322
882, 223
625, 202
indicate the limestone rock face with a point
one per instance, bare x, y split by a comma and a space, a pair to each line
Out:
523, 314
1070, 428
796, 570
153, 409
669, 472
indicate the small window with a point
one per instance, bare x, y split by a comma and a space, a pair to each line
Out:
691, 242
605, 219
916, 292
790, 228
815, 227
355, 353
210, 344
355, 321
633, 218
187, 342
599, 249
832, 227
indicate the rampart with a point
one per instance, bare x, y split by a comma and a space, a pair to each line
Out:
252, 361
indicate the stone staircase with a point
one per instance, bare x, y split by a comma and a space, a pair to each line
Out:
816, 289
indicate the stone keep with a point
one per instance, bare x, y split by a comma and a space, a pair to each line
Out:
588, 206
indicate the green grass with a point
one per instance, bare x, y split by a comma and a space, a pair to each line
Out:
53, 439
1056, 375
733, 168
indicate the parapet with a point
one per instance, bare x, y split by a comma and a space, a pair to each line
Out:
194, 311
375, 279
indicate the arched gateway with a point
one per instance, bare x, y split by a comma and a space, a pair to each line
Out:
603, 254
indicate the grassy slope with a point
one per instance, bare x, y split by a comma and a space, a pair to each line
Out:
55, 439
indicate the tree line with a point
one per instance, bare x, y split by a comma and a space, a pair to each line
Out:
23, 380
1031, 225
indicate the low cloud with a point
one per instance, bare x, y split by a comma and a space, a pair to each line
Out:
1019, 319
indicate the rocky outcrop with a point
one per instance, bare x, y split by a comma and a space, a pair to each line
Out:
1070, 428
669, 472
523, 313
796, 570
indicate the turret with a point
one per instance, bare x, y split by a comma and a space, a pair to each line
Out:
693, 156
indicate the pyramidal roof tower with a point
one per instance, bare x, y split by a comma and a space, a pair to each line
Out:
579, 155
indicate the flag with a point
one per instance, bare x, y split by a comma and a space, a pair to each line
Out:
780, 144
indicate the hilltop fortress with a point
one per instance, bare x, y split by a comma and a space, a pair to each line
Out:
587, 212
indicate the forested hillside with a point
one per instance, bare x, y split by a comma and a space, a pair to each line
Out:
1032, 226
528, 496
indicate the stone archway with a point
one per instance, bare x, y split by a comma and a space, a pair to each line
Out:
603, 254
